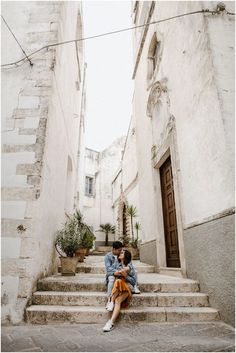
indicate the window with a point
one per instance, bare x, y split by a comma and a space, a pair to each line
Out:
89, 186
154, 56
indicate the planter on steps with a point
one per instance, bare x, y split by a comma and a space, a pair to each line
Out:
68, 265
80, 253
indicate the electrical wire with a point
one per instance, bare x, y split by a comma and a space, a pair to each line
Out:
16, 40
212, 12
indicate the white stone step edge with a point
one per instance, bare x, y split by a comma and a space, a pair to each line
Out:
189, 299
87, 314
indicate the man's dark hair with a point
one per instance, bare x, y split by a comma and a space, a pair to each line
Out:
117, 245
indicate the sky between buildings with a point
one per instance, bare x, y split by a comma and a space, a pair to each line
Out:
109, 71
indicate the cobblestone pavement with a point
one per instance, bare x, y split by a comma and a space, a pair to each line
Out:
135, 337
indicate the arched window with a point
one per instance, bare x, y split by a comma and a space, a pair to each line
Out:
154, 56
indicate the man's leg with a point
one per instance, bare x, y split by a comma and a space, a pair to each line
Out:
110, 303
111, 280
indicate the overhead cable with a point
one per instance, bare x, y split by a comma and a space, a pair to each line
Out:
16, 41
212, 12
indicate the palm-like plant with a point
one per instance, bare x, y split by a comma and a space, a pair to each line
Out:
132, 213
137, 227
107, 228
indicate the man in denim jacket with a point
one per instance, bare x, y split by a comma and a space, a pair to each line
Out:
112, 265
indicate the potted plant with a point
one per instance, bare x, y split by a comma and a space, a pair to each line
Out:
86, 237
66, 243
107, 228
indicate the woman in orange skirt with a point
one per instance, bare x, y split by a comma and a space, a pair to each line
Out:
121, 293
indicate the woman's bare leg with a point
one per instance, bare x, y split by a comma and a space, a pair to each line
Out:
118, 302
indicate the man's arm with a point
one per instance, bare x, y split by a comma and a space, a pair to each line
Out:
110, 266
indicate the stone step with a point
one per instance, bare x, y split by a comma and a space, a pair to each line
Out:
44, 314
100, 299
100, 269
170, 271
148, 282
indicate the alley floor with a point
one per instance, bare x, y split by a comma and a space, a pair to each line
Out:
126, 337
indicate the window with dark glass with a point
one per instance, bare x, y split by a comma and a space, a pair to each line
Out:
89, 186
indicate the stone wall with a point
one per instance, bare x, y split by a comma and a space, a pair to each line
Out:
148, 252
210, 259
40, 123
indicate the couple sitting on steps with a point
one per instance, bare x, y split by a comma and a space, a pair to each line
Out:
121, 280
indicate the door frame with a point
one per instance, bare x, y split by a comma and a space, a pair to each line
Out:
168, 148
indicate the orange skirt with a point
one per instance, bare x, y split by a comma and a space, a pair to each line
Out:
120, 287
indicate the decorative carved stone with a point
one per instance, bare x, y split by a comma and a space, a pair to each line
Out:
154, 96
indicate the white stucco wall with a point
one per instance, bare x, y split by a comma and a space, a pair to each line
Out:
198, 66
97, 209
45, 129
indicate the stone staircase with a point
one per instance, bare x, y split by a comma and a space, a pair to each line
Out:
82, 298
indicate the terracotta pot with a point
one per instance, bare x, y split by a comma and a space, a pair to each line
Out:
135, 253
68, 265
80, 253
87, 252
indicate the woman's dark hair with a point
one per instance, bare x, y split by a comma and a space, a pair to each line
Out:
127, 257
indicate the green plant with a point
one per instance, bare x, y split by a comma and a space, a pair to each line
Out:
132, 213
137, 227
68, 238
107, 228
134, 244
125, 239
74, 235
87, 238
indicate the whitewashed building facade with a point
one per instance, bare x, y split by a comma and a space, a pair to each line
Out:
96, 191
183, 126
42, 130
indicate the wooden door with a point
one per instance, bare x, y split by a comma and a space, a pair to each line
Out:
169, 215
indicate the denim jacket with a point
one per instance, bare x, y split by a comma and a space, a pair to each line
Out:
111, 263
132, 276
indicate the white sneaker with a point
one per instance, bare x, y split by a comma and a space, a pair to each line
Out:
136, 290
108, 327
110, 306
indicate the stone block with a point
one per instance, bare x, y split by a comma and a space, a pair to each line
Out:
39, 91
31, 123
9, 227
33, 180
28, 131
31, 209
42, 37
14, 181
12, 148
26, 113
13, 209
25, 287
28, 102
29, 169
12, 137
9, 289
43, 17
11, 247
18, 193
44, 83
29, 247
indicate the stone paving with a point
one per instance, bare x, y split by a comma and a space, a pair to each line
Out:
126, 337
